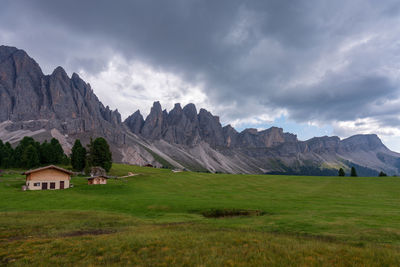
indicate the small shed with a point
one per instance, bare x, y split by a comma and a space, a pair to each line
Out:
49, 177
100, 179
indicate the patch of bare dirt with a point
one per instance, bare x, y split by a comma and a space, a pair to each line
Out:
88, 232
223, 213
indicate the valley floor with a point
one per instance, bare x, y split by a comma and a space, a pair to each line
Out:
155, 219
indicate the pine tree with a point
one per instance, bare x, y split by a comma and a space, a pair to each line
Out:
30, 157
87, 168
353, 172
78, 156
99, 154
45, 153
57, 153
341, 172
381, 174
42, 154
17, 160
8, 156
65, 160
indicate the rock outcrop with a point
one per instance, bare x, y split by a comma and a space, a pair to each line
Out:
187, 127
365, 142
27, 94
135, 122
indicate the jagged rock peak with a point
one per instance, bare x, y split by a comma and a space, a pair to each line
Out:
59, 70
185, 126
75, 76
21, 82
230, 136
10, 51
60, 73
210, 128
156, 106
18, 61
5, 48
154, 123
7, 51
53, 97
80, 84
177, 106
135, 114
205, 113
190, 112
174, 117
191, 107
229, 128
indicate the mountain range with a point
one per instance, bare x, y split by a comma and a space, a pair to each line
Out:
56, 105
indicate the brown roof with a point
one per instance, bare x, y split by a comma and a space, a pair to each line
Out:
48, 167
97, 176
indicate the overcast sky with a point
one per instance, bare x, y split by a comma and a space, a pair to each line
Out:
312, 67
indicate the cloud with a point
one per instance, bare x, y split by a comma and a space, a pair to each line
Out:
128, 83
325, 62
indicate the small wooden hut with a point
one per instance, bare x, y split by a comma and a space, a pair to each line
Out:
100, 179
49, 177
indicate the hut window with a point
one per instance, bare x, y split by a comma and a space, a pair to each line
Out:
52, 185
36, 184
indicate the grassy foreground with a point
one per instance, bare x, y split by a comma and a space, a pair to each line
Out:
155, 218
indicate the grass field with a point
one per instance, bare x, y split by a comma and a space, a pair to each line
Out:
155, 218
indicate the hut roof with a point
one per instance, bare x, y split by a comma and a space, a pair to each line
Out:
97, 176
48, 167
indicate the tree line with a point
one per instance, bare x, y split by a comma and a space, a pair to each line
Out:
97, 153
353, 172
30, 153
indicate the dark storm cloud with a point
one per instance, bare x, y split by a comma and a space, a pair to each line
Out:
337, 98
318, 60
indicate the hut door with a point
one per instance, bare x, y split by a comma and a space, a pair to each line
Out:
61, 184
44, 186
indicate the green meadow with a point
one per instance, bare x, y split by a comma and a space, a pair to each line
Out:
156, 218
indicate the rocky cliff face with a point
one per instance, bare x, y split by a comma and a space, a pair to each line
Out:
262, 151
187, 127
366, 142
64, 107
272, 137
52, 105
323, 144
27, 94
135, 122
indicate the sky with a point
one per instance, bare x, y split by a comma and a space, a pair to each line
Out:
314, 68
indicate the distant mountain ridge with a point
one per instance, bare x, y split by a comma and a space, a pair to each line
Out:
186, 126
56, 105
